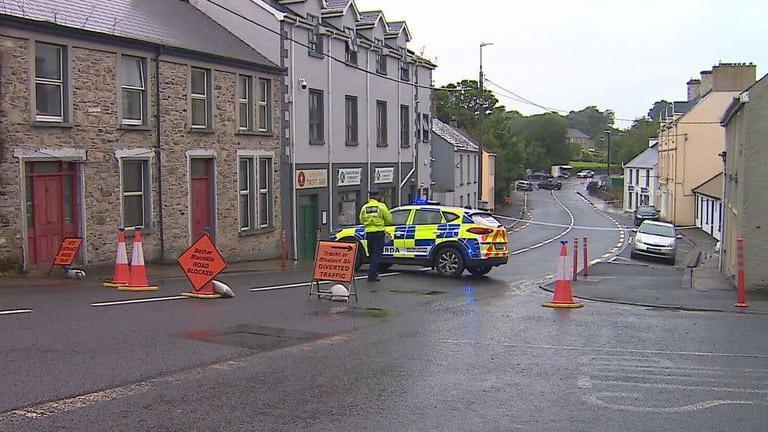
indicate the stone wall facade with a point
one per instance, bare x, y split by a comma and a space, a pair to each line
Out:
94, 140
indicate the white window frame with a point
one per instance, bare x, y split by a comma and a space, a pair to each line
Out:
265, 104
256, 191
144, 157
248, 102
247, 192
61, 83
382, 138
265, 192
142, 90
206, 97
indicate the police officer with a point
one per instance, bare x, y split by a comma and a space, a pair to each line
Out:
375, 216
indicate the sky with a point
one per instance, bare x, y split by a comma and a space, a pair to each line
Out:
567, 55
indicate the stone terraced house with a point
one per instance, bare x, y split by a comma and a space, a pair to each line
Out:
85, 148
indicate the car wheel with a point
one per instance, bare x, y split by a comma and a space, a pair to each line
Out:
671, 261
449, 262
480, 270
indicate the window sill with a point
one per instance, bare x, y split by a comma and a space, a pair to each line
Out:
381, 72
352, 144
382, 145
254, 133
144, 232
316, 55
258, 231
317, 143
350, 64
135, 127
201, 130
406, 146
38, 123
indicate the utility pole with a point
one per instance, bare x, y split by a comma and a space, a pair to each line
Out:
610, 182
481, 114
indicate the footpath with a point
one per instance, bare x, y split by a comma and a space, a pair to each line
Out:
694, 284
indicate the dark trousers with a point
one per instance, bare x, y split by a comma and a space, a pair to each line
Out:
375, 249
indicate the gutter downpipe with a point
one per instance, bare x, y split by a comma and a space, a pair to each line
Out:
159, 153
399, 147
368, 115
331, 180
292, 141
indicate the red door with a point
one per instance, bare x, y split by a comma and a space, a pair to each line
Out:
51, 207
201, 197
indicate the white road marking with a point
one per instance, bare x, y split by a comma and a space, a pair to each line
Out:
144, 300
594, 399
681, 386
557, 237
16, 311
305, 284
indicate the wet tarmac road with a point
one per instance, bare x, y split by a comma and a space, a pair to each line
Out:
417, 353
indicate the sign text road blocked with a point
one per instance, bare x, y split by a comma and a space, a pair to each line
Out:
67, 251
202, 262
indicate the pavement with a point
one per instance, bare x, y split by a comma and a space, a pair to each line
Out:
694, 283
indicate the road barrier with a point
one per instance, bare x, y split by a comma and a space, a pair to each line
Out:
563, 297
122, 273
586, 258
575, 258
741, 283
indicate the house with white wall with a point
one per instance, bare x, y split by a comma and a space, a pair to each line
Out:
641, 178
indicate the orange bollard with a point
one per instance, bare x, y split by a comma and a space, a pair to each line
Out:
586, 258
121, 275
575, 258
741, 283
563, 297
138, 280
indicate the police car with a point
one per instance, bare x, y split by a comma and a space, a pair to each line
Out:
449, 239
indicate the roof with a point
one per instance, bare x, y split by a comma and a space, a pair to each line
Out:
576, 133
649, 158
337, 4
738, 102
369, 18
175, 24
440, 207
712, 187
453, 136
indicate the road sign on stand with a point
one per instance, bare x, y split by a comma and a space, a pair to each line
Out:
67, 253
202, 262
334, 262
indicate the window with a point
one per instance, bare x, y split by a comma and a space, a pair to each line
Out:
255, 192
461, 169
245, 192
265, 105
405, 126
352, 46
350, 104
347, 208
405, 68
315, 41
244, 102
450, 217
381, 123
316, 131
135, 193
381, 58
425, 126
630, 177
265, 192
134, 89
50, 82
400, 217
647, 178
417, 127
427, 217
461, 200
200, 96
637, 176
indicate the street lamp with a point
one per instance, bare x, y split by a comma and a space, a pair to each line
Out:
610, 182
481, 110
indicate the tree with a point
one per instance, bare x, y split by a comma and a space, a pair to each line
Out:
591, 120
634, 140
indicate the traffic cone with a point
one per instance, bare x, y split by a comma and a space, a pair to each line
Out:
206, 291
563, 297
122, 275
138, 280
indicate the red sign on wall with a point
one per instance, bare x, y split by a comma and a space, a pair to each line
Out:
68, 251
202, 262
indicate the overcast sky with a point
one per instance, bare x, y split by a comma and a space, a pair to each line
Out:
616, 54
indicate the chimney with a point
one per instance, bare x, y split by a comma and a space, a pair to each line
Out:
706, 83
733, 76
454, 123
694, 89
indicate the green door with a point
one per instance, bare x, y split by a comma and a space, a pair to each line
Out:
307, 228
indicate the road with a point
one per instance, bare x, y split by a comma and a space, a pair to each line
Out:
417, 353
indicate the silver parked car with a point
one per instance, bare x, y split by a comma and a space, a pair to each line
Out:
656, 239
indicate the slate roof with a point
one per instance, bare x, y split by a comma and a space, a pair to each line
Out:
453, 136
172, 23
648, 159
369, 17
712, 187
339, 5
576, 133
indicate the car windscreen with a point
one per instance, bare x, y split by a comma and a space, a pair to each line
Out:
646, 210
486, 219
659, 230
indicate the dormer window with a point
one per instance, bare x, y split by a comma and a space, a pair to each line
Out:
381, 58
405, 67
352, 46
315, 41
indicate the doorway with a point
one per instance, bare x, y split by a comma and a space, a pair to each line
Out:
51, 205
201, 197
307, 227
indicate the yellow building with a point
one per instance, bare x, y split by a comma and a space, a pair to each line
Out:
691, 139
489, 180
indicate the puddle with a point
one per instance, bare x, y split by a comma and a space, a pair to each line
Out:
355, 312
253, 337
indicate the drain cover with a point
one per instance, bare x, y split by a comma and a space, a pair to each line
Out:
257, 338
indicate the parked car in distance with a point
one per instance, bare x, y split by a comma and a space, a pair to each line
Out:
539, 175
645, 212
655, 239
585, 174
524, 185
551, 184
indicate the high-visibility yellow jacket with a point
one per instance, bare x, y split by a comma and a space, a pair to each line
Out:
375, 216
